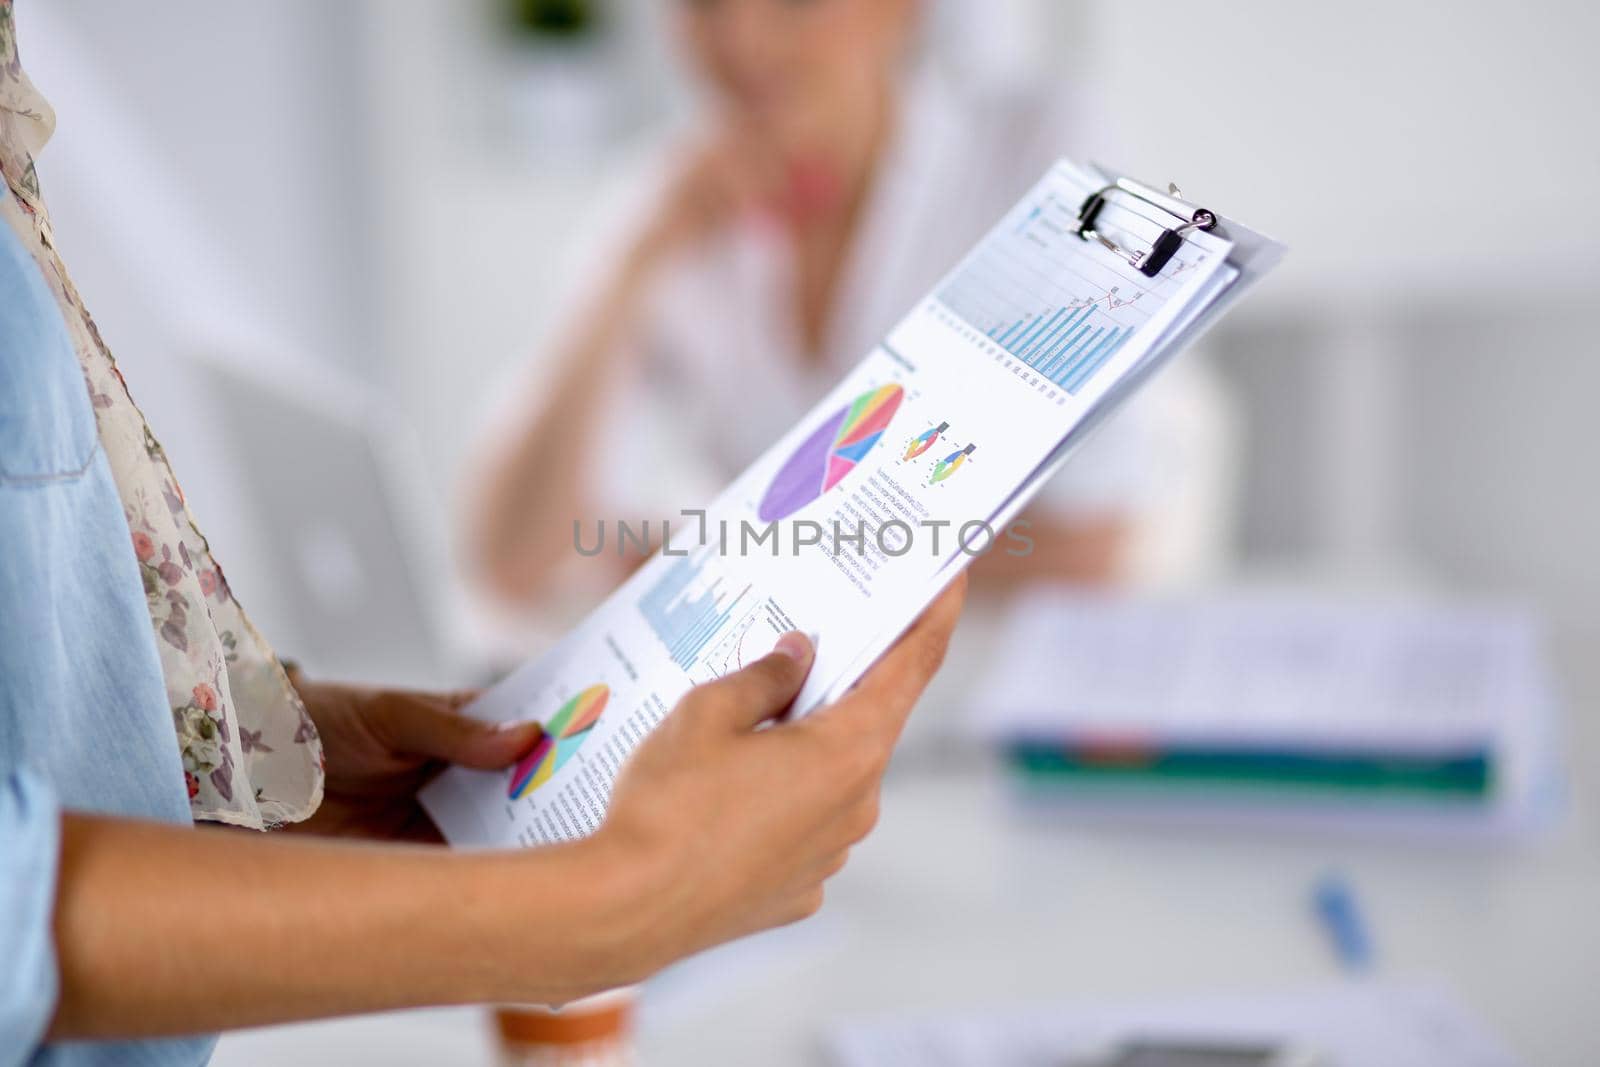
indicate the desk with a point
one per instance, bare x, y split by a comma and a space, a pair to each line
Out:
955, 902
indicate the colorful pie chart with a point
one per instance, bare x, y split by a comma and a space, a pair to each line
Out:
951, 463
567, 729
924, 441
831, 452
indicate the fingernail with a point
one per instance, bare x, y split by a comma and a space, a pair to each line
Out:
794, 644
518, 724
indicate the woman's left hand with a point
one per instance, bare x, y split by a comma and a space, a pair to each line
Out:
382, 745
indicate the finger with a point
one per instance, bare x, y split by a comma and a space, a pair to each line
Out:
431, 727
749, 166
760, 181
887, 693
453, 701
761, 691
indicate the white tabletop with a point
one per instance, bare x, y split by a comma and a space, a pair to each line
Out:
959, 902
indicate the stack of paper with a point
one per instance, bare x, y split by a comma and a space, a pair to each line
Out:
1353, 1026
857, 517
1275, 692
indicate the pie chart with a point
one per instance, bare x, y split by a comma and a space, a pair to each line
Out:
924, 441
565, 731
831, 452
950, 464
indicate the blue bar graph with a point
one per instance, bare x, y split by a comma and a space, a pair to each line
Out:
1036, 291
1066, 346
685, 613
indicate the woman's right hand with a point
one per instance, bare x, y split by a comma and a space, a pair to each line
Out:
726, 828
522, 521
731, 175
717, 828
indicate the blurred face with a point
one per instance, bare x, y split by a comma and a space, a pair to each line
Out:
796, 67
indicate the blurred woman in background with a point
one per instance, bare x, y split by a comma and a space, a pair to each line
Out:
833, 183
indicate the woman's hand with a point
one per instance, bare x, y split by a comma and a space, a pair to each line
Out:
717, 828
732, 175
521, 535
382, 745
727, 828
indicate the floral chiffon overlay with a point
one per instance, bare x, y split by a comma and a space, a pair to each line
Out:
250, 753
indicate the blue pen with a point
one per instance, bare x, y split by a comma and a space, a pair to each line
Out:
1335, 904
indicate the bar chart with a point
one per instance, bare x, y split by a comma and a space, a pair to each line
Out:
1032, 292
1067, 346
687, 608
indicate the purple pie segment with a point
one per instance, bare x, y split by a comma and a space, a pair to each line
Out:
801, 479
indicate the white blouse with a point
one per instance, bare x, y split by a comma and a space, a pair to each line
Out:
723, 370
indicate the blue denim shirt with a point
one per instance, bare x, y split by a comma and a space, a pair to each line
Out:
84, 722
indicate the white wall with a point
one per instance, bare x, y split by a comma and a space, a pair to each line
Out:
205, 185
239, 137
1400, 148
1425, 356
338, 181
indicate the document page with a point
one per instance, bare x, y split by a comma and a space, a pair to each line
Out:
1273, 669
1356, 1025
858, 515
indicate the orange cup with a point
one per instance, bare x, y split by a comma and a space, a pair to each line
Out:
593, 1032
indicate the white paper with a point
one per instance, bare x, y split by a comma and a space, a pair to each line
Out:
1353, 1026
1037, 332
1262, 669
1281, 670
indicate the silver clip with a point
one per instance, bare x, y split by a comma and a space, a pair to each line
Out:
1150, 261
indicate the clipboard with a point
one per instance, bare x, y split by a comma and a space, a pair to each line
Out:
1253, 255
1075, 242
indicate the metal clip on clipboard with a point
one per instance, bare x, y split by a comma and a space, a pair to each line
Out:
1149, 261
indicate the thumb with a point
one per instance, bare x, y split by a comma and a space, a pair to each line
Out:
435, 730
763, 690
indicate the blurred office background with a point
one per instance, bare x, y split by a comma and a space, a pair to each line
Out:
377, 197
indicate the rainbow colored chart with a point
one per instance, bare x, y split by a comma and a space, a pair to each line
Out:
924, 441
950, 464
830, 453
565, 731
